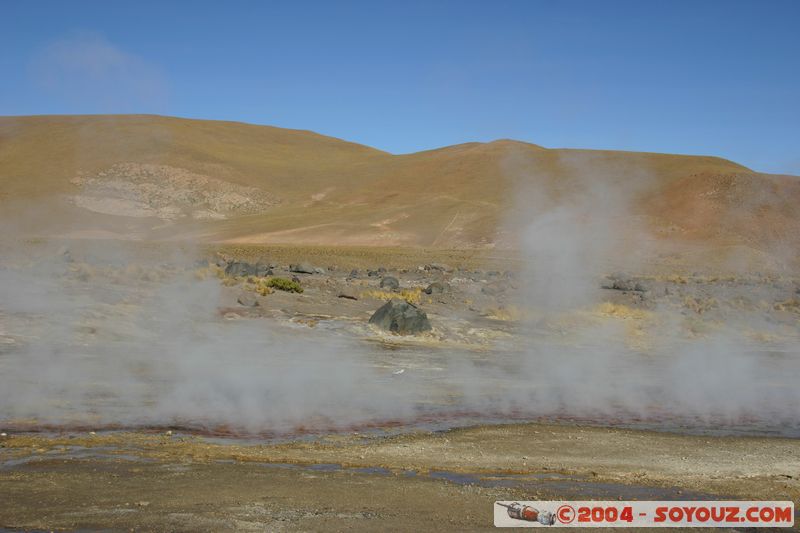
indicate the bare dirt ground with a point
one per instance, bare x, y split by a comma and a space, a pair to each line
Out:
190, 483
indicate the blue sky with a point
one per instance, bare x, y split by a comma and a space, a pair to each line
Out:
699, 77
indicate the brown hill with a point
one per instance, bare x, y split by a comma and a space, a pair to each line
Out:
155, 177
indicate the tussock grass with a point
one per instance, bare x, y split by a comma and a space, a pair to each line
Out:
412, 296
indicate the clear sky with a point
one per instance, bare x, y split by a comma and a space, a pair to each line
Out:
700, 77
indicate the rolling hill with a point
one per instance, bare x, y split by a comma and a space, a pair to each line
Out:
154, 177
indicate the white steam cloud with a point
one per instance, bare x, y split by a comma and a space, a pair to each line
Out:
123, 339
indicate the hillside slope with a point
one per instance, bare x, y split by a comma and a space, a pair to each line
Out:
153, 177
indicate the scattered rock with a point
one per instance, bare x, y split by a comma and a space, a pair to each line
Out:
390, 283
302, 268
238, 268
247, 299
438, 266
436, 287
295, 279
495, 289
621, 282
347, 294
244, 269
353, 274
401, 318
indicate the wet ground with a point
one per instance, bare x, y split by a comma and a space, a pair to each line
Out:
181, 482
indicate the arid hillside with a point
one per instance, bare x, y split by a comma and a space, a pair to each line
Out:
153, 177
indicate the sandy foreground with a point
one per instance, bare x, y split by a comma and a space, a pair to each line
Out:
421, 481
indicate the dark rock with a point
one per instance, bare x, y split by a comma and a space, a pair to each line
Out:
353, 274
436, 287
401, 318
262, 270
247, 299
66, 255
495, 289
438, 266
302, 268
240, 269
348, 294
244, 269
621, 282
390, 283
295, 279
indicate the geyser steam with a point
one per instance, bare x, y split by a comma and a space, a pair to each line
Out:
116, 338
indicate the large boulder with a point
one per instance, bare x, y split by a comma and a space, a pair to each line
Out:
401, 318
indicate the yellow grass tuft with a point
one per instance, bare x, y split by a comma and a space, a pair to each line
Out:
792, 304
700, 305
412, 296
